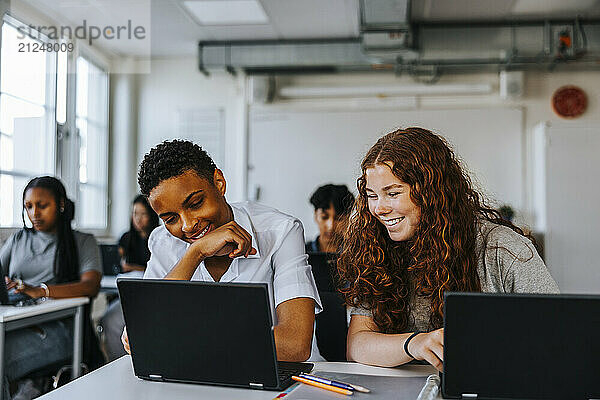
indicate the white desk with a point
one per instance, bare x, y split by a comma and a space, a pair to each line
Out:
116, 381
109, 282
12, 318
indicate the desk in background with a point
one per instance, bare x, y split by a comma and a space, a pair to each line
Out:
12, 318
109, 282
116, 381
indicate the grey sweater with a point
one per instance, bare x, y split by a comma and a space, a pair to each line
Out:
507, 263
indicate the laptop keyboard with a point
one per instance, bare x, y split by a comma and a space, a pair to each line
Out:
286, 369
21, 300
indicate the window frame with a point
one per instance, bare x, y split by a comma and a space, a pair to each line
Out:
49, 105
104, 67
66, 136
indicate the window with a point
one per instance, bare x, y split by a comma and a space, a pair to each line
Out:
92, 125
53, 121
27, 118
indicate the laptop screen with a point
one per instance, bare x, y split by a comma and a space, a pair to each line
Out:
111, 259
521, 346
216, 333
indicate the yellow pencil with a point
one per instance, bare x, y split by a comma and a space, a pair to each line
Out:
323, 386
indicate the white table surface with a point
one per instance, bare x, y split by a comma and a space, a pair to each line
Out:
110, 281
116, 381
11, 313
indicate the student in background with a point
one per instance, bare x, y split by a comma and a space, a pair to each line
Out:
421, 230
47, 260
133, 245
332, 204
205, 238
133, 248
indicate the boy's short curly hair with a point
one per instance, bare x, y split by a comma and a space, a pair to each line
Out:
173, 158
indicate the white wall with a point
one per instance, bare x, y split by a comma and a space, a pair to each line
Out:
123, 151
535, 103
177, 83
293, 152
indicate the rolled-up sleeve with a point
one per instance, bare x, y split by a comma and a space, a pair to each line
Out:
293, 276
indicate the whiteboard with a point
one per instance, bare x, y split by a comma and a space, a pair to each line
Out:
291, 153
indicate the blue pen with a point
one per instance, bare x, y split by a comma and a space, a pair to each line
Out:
340, 385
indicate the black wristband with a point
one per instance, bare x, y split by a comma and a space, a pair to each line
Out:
407, 341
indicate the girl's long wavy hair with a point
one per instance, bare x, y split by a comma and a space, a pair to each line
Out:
441, 255
66, 259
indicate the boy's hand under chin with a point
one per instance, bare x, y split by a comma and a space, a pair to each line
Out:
227, 240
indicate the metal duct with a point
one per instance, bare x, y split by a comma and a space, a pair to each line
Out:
437, 48
384, 15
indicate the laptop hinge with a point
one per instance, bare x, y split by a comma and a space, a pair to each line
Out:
469, 395
155, 377
256, 385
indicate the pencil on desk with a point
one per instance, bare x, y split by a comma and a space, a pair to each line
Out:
340, 384
323, 386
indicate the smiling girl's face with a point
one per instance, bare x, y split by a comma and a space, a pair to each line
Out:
389, 201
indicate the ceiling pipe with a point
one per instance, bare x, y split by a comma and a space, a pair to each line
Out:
446, 48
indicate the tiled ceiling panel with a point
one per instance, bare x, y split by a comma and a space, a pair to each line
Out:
295, 19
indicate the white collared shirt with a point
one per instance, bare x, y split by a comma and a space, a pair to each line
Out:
280, 260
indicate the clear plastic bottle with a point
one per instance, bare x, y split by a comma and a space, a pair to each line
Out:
431, 388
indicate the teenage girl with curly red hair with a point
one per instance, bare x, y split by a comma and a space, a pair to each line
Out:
418, 231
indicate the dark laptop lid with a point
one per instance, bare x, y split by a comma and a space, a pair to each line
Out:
111, 259
3, 291
214, 333
501, 346
18, 299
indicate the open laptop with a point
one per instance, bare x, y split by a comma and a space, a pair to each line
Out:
14, 299
501, 346
111, 259
201, 332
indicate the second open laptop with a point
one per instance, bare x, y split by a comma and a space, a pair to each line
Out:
201, 332
521, 346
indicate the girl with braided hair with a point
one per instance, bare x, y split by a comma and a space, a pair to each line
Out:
48, 259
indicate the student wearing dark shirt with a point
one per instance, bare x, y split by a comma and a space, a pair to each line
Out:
133, 248
133, 245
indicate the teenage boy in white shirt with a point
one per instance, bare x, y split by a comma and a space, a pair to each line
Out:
207, 239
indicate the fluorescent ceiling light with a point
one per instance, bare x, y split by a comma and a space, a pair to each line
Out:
382, 91
227, 12
551, 6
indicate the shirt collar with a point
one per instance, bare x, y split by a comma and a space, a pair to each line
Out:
241, 217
